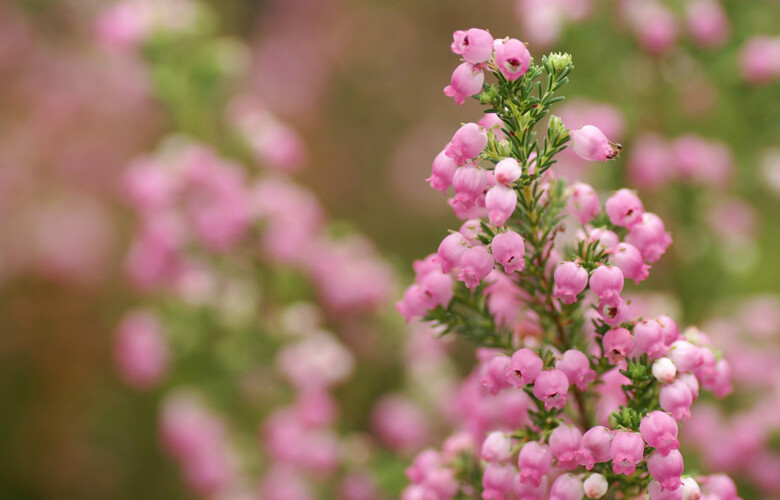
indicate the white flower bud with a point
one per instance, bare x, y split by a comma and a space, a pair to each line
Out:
664, 370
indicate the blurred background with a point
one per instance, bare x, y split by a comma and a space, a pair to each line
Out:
691, 88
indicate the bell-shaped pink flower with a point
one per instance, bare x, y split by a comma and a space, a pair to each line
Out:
670, 329
437, 286
719, 486
564, 445
414, 303
492, 123
423, 464
566, 487
595, 447
617, 344
690, 380
719, 382
468, 142
524, 368
534, 462
497, 481
676, 398
497, 447
659, 430
583, 202
495, 378
570, 280
606, 280
666, 469
614, 310
690, 489
686, 356
624, 208
512, 58
649, 339
551, 387
607, 239
576, 366
508, 250
649, 236
629, 260
475, 265
658, 492
474, 45
507, 171
590, 143
759, 59
500, 202
466, 81
626, 452
469, 182
451, 251
442, 172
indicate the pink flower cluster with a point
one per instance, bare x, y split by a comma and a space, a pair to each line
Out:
582, 389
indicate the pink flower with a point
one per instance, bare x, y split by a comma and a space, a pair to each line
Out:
492, 123
624, 208
626, 452
508, 249
676, 398
666, 469
759, 59
475, 265
534, 462
466, 81
424, 463
399, 423
468, 142
629, 260
618, 344
474, 45
590, 143
659, 430
707, 22
658, 492
583, 202
719, 486
497, 481
576, 366
414, 303
500, 202
140, 350
649, 339
495, 376
650, 237
595, 447
570, 280
551, 387
451, 251
469, 182
497, 447
686, 356
525, 366
606, 281
507, 171
669, 328
566, 487
614, 310
607, 239
437, 287
442, 172
512, 58
564, 444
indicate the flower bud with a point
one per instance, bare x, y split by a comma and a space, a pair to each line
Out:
664, 370
451, 251
576, 366
500, 202
583, 202
630, 262
570, 279
590, 143
606, 280
497, 447
676, 398
595, 486
566, 487
468, 142
507, 171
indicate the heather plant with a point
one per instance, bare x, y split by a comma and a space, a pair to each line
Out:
573, 395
